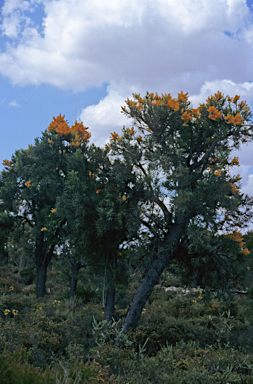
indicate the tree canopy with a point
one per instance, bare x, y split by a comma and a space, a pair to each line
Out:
183, 158
33, 180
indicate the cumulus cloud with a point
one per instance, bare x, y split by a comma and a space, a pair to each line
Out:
228, 87
106, 117
155, 44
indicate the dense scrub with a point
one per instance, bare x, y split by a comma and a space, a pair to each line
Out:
181, 338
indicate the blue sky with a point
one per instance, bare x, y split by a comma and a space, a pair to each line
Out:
83, 58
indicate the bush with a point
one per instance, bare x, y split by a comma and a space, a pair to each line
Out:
15, 369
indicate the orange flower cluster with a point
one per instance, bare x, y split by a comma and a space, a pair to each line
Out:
186, 117
157, 103
130, 131
79, 133
7, 164
218, 172
114, 136
214, 114
235, 161
237, 237
217, 97
235, 120
233, 188
244, 106
28, 183
236, 98
156, 100
182, 96
196, 113
213, 305
173, 104
237, 178
75, 135
190, 114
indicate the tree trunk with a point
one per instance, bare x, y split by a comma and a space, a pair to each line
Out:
151, 278
42, 258
74, 278
41, 280
109, 304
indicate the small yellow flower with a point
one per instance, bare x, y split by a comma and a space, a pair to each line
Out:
15, 312
43, 229
53, 210
194, 301
40, 308
6, 312
11, 288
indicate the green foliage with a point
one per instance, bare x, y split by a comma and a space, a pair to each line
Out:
15, 369
176, 342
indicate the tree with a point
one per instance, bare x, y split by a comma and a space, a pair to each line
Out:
183, 159
100, 204
32, 182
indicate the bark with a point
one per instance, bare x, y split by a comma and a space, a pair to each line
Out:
109, 304
41, 280
150, 279
43, 255
42, 260
74, 278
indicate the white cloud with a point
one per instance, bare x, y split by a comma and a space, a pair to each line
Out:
14, 104
152, 44
228, 87
106, 117
248, 187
